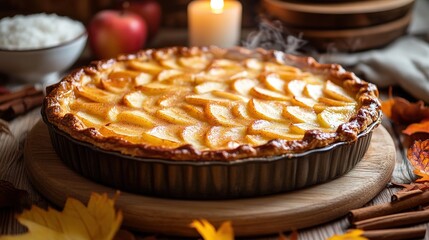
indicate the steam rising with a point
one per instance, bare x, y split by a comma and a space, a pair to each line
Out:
271, 36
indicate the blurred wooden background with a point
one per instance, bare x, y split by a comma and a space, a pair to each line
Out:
173, 11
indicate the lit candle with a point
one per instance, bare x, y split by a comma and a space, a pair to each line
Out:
214, 23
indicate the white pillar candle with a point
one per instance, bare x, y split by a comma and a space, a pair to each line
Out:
217, 23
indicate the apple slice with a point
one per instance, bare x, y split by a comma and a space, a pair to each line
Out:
171, 99
146, 67
221, 137
176, 115
264, 110
194, 62
299, 114
210, 86
301, 128
254, 64
273, 82
219, 115
285, 72
224, 63
228, 95
336, 92
333, 102
205, 99
123, 75
313, 91
243, 85
167, 136
170, 63
329, 119
136, 117
303, 102
339, 109
90, 120
134, 99
126, 131
168, 73
273, 130
255, 140
142, 79
102, 110
265, 94
195, 111
240, 110
194, 135
155, 88
296, 87
97, 95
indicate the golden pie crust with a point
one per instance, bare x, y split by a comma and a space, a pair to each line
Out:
211, 104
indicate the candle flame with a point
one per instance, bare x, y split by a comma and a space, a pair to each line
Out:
216, 5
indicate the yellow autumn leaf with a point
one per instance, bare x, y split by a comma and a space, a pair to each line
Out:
355, 234
208, 232
98, 220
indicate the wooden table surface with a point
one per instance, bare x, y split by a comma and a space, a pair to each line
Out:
12, 167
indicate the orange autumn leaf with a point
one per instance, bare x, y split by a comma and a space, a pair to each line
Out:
418, 155
355, 234
421, 127
98, 220
402, 111
208, 231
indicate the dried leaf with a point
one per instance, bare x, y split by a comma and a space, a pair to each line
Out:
208, 232
11, 196
401, 111
418, 155
96, 221
421, 127
4, 127
355, 234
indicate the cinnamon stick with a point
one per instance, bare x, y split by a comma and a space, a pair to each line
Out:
388, 208
15, 107
395, 234
28, 91
393, 220
405, 194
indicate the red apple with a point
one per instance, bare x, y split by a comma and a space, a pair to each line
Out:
113, 32
150, 11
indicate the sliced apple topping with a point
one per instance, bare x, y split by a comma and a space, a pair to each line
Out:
205, 99
296, 87
339, 109
97, 95
285, 72
142, 79
115, 86
243, 85
240, 110
123, 75
137, 117
300, 114
254, 64
329, 119
155, 88
176, 115
171, 99
301, 128
103, 110
164, 136
134, 99
127, 131
194, 62
336, 92
145, 67
304, 102
195, 111
273, 130
255, 140
313, 91
228, 95
169, 73
265, 94
218, 137
170, 63
264, 110
194, 135
219, 115
210, 86
273, 82
90, 120
333, 102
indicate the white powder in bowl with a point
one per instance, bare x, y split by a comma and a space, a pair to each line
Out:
37, 31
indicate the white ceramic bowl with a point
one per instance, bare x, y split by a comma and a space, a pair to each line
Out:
41, 65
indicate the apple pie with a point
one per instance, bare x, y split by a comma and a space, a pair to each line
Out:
211, 123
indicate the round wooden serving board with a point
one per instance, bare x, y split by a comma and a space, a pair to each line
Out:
252, 216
